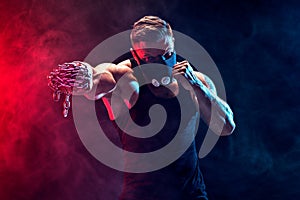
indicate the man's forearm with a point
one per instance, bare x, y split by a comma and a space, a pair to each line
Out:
103, 81
214, 110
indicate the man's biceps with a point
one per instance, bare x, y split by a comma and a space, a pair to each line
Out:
123, 72
105, 67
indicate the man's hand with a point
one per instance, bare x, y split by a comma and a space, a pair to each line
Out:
184, 73
71, 78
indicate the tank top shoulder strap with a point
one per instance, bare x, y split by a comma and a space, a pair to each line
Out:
133, 63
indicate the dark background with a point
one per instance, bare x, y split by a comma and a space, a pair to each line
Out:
255, 45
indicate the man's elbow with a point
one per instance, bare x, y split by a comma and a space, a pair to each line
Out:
228, 128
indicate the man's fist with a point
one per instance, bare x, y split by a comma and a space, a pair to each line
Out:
71, 78
185, 74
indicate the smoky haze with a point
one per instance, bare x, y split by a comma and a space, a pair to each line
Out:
255, 44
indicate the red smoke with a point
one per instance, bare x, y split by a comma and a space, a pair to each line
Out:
41, 156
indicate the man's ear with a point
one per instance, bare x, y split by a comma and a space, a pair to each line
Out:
135, 56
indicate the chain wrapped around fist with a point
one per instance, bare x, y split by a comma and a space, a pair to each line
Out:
70, 78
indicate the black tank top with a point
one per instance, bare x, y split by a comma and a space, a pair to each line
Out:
179, 180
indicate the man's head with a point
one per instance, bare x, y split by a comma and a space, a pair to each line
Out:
151, 38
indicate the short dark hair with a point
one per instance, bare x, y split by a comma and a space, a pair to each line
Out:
149, 29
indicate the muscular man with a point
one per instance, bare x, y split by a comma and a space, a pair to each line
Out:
153, 42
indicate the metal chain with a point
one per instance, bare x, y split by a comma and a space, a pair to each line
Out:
66, 78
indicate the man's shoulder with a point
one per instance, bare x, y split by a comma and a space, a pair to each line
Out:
122, 68
125, 64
